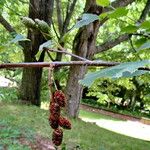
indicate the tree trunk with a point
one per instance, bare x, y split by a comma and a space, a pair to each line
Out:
31, 79
84, 46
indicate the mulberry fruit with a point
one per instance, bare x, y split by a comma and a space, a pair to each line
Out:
57, 136
54, 123
64, 123
59, 97
55, 110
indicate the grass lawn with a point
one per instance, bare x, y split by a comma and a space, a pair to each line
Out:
29, 121
93, 115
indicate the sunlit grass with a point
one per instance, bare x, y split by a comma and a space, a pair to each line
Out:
93, 115
126, 127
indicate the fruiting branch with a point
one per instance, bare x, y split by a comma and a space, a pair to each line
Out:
56, 64
61, 64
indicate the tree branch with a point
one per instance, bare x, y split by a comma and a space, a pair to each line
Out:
142, 34
65, 52
55, 30
59, 16
68, 16
11, 30
49, 55
6, 25
118, 3
110, 44
56, 64
61, 64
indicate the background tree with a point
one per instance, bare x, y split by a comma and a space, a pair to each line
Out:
85, 45
116, 26
31, 78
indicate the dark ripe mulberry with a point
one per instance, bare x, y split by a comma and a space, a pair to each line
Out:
59, 97
57, 136
55, 110
64, 123
54, 123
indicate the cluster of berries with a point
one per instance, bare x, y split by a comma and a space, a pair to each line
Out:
55, 118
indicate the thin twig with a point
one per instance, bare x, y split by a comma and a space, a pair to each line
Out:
49, 55
134, 50
142, 34
65, 52
55, 30
50, 82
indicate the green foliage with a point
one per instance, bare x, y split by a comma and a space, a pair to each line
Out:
86, 19
48, 44
145, 25
103, 2
146, 45
19, 38
119, 12
140, 42
129, 29
128, 69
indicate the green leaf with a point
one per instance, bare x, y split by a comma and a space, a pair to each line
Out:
145, 25
140, 42
103, 15
119, 12
128, 69
145, 46
129, 29
103, 3
47, 44
86, 19
19, 37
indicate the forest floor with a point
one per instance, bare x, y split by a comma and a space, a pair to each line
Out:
26, 128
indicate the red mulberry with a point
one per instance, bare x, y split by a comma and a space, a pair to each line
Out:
64, 123
57, 136
55, 110
59, 97
54, 123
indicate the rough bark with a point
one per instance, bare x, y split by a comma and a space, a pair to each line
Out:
31, 79
83, 45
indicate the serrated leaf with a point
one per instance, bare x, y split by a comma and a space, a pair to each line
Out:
129, 29
128, 69
86, 19
119, 12
145, 46
47, 44
103, 3
18, 38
